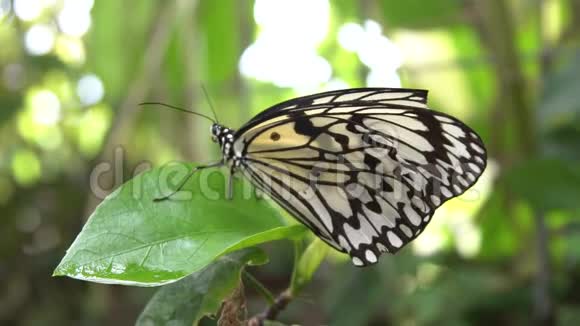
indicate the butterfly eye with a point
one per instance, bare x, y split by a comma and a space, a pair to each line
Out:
275, 136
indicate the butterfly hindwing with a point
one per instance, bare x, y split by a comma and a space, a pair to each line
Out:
364, 168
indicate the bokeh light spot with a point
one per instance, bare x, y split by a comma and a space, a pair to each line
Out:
349, 36
74, 22
70, 49
301, 70
5, 9
427, 273
28, 10
50, 138
285, 52
45, 107
303, 22
441, 48
39, 39
92, 129
374, 50
380, 78
336, 84
79, 5
90, 89
429, 243
468, 238
26, 167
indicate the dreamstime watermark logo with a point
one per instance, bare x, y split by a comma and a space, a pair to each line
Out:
6, 11
340, 177
107, 177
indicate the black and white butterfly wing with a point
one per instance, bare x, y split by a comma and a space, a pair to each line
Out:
363, 168
395, 96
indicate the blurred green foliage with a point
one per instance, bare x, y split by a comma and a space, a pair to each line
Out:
510, 69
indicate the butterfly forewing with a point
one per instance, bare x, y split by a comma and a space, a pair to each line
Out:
363, 168
411, 97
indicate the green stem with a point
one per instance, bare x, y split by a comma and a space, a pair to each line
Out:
261, 288
297, 253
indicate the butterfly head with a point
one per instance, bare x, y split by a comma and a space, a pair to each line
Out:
224, 137
216, 131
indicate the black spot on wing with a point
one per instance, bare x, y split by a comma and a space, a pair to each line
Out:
385, 186
371, 161
303, 126
374, 206
341, 139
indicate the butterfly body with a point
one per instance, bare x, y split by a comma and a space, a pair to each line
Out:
363, 168
225, 138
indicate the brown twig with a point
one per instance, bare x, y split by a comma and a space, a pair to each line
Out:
273, 310
233, 310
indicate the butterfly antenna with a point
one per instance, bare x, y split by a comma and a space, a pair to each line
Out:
208, 99
179, 109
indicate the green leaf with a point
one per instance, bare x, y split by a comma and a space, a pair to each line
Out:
560, 102
558, 114
200, 294
546, 183
131, 239
420, 14
563, 142
308, 264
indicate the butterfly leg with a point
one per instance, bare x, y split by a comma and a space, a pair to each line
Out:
259, 193
230, 190
184, 180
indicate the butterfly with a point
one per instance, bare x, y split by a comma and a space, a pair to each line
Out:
363, 168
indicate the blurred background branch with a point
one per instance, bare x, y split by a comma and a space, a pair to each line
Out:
123, 122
